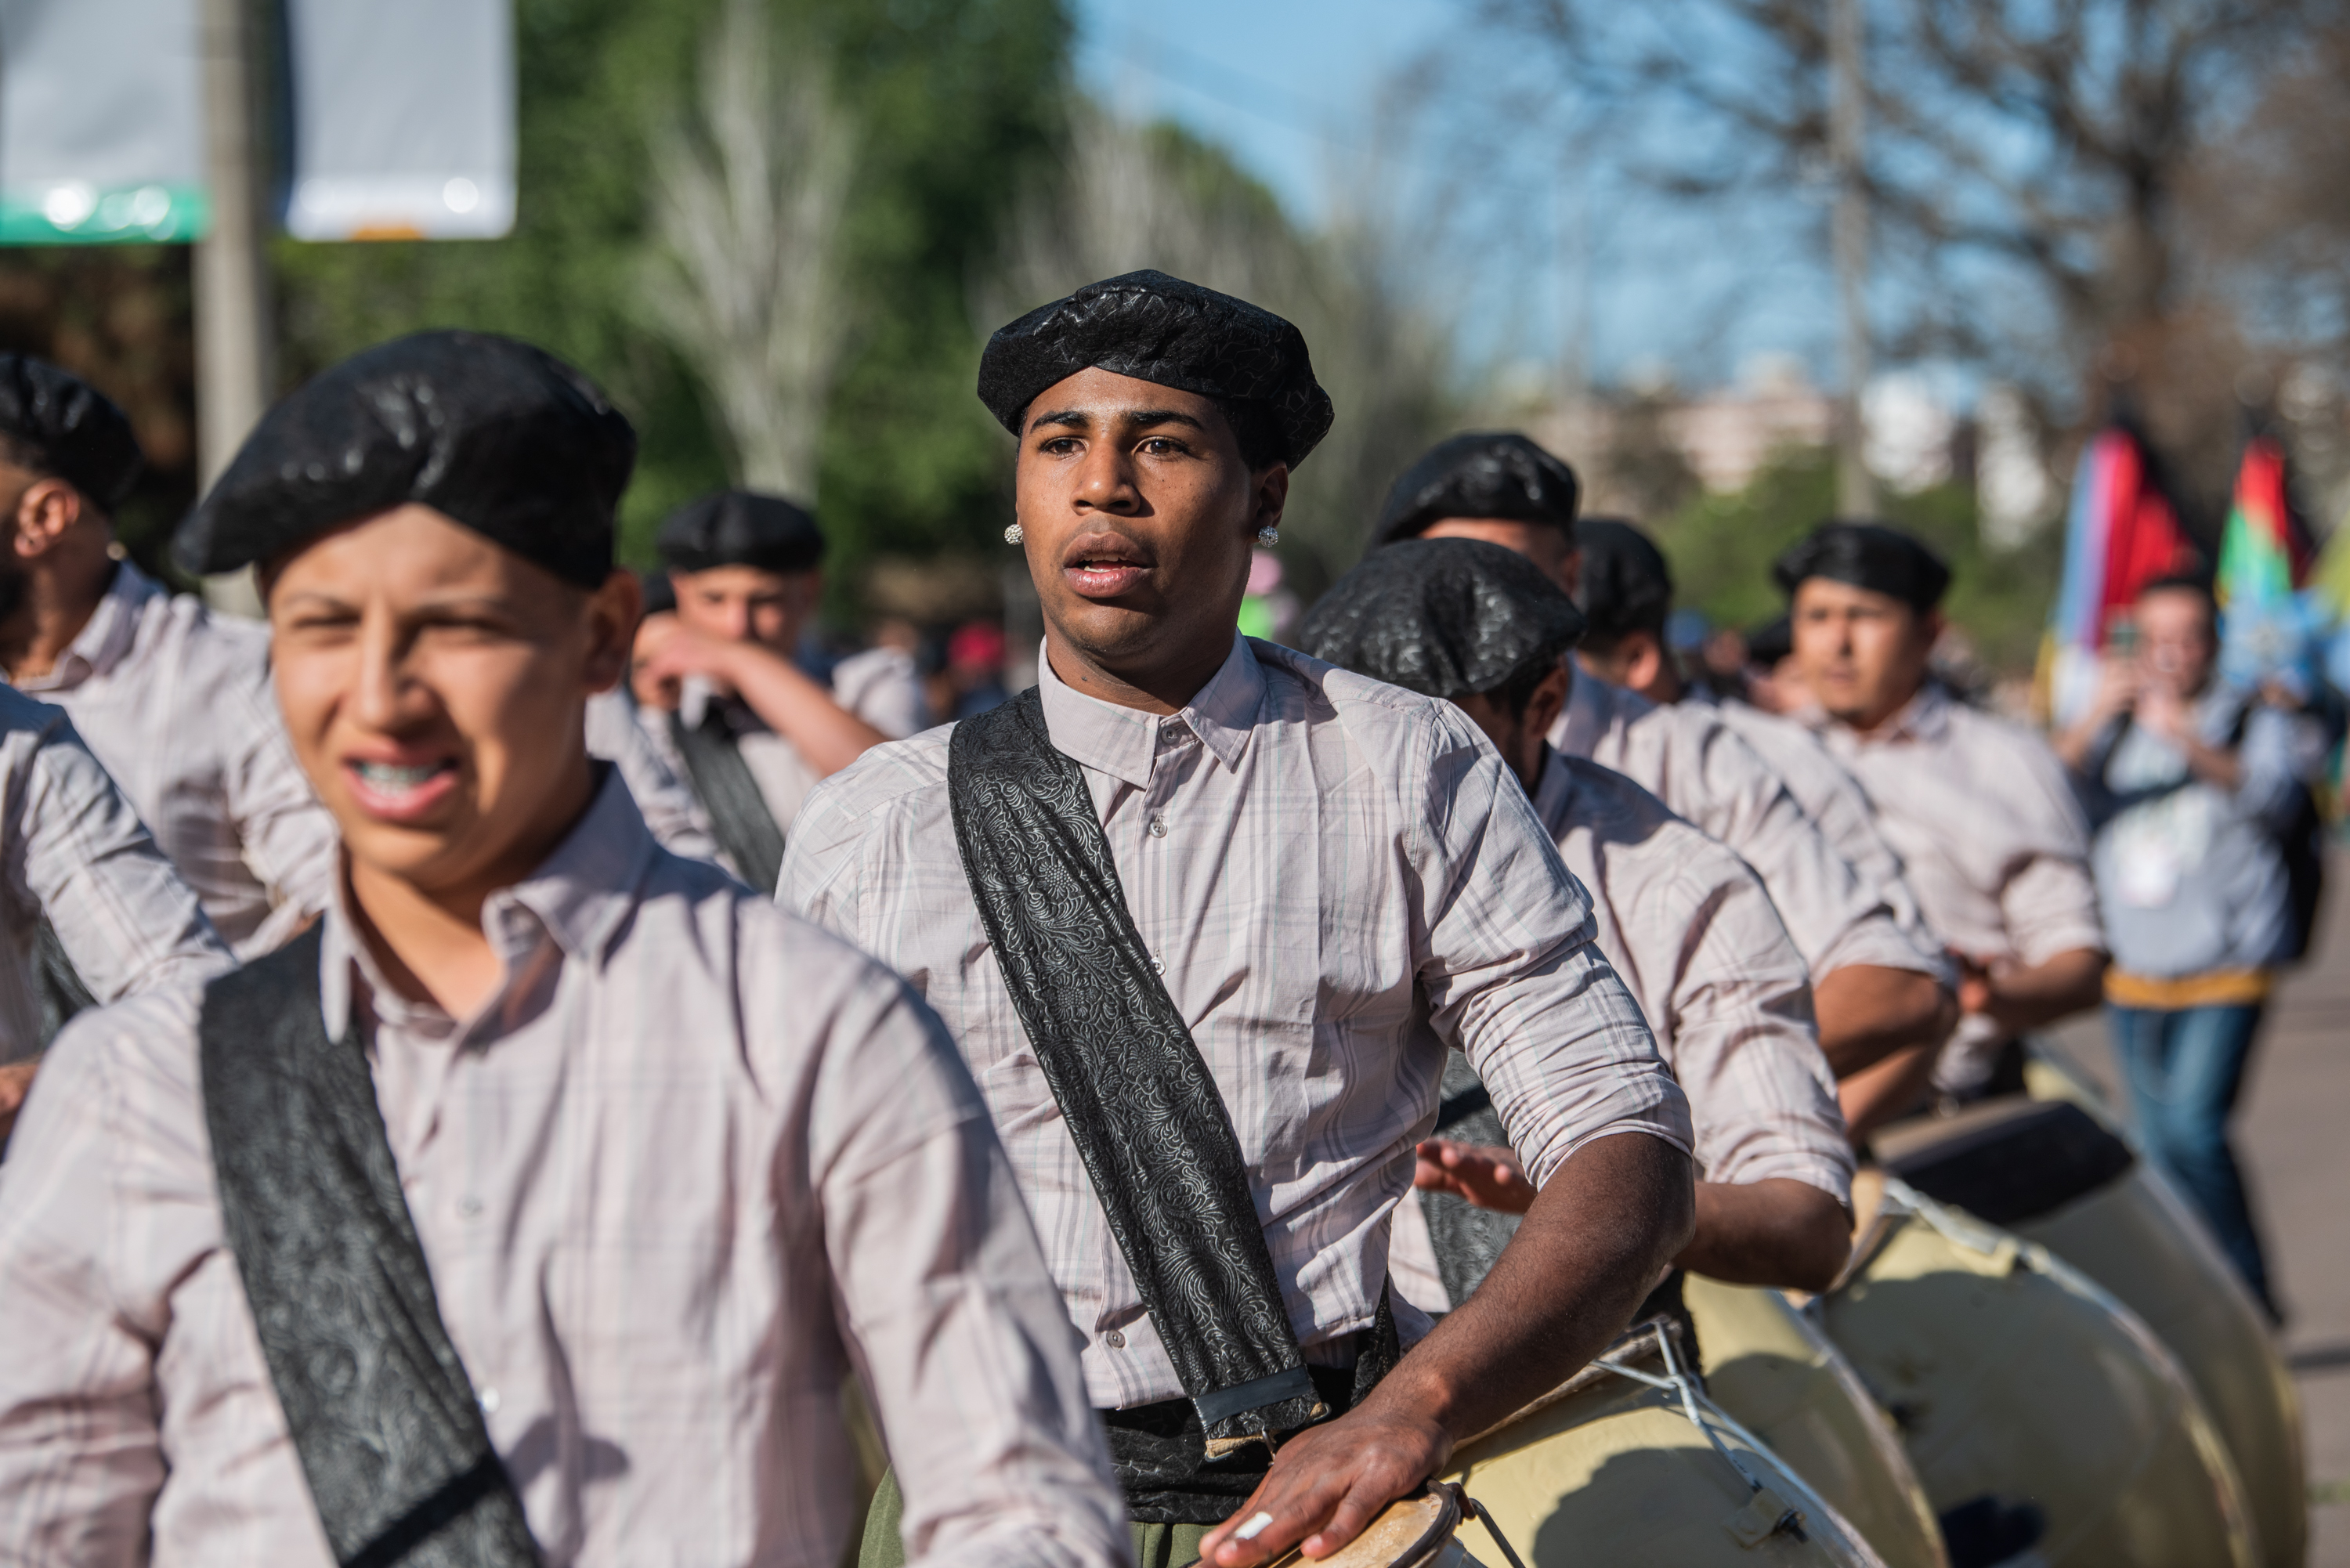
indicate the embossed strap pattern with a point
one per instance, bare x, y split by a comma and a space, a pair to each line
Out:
1145, 1114
381, 1413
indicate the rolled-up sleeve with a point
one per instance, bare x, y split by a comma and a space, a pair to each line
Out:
123, 916
1514, 978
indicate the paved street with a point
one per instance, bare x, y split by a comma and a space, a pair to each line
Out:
2294, 1129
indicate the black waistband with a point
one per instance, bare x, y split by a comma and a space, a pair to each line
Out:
1160, 1450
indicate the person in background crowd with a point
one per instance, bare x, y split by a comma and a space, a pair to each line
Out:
173, 699
731, 708
1977, 808
1203, 914
1683, 920
1628, 593
2195, 788
83, 889
1772, 680
974, 671
534, 1205
1877, 992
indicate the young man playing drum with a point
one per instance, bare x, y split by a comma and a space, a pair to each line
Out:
536, 1205
1684, 920
1979, 809
1879, 989
1202, 915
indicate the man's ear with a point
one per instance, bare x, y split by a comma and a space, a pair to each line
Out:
1549, 699
612, 612
46, 510
1570, 572
1269, 494
1643, 661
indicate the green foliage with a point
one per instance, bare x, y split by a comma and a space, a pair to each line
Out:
1721, 547
956, 97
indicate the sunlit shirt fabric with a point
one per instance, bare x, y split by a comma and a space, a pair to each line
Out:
1687, 757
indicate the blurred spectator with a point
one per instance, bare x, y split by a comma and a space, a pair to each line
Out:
2196, 791
1269, 611
1774, 682
973, 679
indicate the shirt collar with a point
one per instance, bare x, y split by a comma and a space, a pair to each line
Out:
579, 896
107, 636
1123, 742
1924, 718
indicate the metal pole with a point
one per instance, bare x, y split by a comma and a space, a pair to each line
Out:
232, 301
1848, 124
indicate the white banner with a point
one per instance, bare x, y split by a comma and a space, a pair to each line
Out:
403, 119
101, 122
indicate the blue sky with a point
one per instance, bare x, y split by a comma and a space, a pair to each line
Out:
1287, 85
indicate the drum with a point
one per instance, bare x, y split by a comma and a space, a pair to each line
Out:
1420, 1532
1628, 1464
1780, 1377
2040, 1414
2138, 1238
2132, 1234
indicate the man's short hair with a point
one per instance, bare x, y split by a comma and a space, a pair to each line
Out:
1627, 585
1872, 555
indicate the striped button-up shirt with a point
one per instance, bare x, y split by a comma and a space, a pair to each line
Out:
693, 1161
1688, 927
1687, 757
1691, 929
72, 849
1991, 836
1337, 879
176, 701
1834, 799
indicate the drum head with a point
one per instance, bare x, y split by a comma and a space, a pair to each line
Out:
1414, 1532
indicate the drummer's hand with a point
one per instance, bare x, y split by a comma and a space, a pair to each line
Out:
1488, 1177
1329, 1482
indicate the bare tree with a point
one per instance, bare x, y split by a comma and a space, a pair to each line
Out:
1134, 196
744, 278
2029, 162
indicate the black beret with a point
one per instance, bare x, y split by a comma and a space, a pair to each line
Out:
497, 435
68, 428
1626, 586
740, 528
1445, 618
1772, 641
1485, 473
1161, 329
1868, 556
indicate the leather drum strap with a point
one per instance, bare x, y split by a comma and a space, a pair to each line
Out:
381, 1410
1146, 1117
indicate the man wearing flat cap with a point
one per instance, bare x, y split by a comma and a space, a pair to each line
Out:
1683, 920
1627, 594
1878, 990
172, 699
534, 1205
735, 713
1204, 915
1977, 808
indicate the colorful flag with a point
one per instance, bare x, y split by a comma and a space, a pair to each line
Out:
2121, 534
2266, 631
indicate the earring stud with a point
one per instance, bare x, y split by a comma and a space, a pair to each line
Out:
1268, 537
1013, 536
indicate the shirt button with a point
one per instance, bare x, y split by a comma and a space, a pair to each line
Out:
470, 1208
1158, 964
1158, 828
489, 1401
1114, 1340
